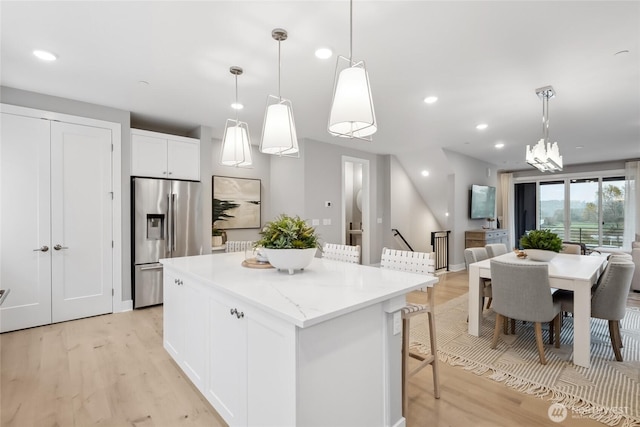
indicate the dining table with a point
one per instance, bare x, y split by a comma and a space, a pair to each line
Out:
576, 273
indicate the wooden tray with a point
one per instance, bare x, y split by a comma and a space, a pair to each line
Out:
254, 263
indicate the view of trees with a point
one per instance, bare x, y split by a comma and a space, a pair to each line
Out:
584, 217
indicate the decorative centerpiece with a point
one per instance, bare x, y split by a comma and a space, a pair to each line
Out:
541, 245
289, 243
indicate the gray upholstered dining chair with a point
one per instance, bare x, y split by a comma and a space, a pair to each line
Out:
495, 249
521, 291
344, 253
608, 299
414, 262
472, 255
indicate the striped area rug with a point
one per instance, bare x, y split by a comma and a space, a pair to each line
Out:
608, 392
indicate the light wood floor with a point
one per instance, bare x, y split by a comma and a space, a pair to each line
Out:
112, 371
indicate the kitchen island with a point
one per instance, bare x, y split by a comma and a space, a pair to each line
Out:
321, 347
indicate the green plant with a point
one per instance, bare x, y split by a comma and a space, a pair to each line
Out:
219, 213
541, 239
287, 232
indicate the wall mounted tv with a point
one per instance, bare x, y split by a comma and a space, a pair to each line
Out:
482, 202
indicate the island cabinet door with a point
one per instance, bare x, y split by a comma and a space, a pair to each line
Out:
173, 316
226, 387
185, 317
252, 363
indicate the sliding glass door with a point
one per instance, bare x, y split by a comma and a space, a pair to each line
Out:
582, 210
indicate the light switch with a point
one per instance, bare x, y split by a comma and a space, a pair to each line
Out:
326, 221
379, 220
315, 222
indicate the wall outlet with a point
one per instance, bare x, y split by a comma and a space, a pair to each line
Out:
326, 221
397, 323
315, 222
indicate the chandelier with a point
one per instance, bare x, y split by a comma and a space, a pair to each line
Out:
545, 156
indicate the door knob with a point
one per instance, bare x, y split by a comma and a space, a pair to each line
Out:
42, 249
58, 247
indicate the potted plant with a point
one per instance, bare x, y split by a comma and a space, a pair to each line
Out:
289, 243
216, 237
541, 245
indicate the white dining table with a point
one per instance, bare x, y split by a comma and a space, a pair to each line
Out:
566, 271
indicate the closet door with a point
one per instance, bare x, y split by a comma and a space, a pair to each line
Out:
25, 246
81, 221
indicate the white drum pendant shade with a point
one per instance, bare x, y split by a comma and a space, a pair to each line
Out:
352, 114
279, 130
236, 146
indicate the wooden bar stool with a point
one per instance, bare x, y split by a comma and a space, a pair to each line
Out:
422, 263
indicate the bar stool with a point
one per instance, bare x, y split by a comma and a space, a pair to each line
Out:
422, 263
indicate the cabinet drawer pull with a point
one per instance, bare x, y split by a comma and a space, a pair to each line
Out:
239, 314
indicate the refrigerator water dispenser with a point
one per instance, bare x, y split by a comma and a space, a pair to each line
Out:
155, 227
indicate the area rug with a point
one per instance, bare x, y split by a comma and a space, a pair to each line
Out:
608, 391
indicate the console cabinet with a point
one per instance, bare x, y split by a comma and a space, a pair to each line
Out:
480, 238
159, 155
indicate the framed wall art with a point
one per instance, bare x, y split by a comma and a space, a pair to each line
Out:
236, 202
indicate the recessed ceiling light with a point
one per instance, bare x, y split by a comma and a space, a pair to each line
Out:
44, 55
499, 145
237, 106
482, 126
430, 99
446, 214
324, 53
579, 147
425, 173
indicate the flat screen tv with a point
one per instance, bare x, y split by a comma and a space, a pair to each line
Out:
483, 202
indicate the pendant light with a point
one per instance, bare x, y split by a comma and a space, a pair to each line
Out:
236, 142
545, 156
279, 130
352, 114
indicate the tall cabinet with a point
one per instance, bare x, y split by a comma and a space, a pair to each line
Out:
56, 220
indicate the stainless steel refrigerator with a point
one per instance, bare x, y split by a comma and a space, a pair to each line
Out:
167, 223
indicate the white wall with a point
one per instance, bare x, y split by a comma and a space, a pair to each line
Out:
409, 213
466, 172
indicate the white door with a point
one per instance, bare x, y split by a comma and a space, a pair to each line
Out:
81, 221
25, 225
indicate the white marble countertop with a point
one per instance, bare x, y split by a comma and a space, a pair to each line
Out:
324, 290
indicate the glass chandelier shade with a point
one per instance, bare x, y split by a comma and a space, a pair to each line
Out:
236, 141
279, 130
352, 114
236, 145
545, 156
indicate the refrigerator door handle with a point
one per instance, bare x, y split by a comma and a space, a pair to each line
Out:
169, 225
173, 222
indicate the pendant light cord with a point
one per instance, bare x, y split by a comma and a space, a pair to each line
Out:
350, 32
236, 76
279, 70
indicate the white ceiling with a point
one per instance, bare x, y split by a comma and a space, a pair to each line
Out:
483, 59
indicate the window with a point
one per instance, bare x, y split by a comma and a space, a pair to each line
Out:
585, 210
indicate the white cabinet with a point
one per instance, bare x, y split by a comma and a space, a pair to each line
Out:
161, 155
185, 319
248, 355
56, 219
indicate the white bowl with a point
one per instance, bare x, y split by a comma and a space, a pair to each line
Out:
290, 259
540, 255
